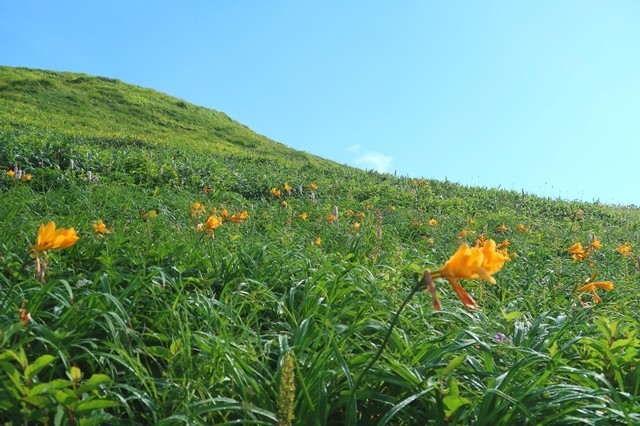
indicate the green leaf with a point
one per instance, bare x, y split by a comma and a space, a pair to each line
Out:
175, 347
37, 401
57, 420
400, 406
6, 334
417, 269
9, 355
605, 327
93, 382
65, 397
14, 375
510, 316
96, 404
453, 364
48, 387
453, 402
35, 367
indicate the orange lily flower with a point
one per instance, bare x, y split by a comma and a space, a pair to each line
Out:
591, 289
212, 223
100, 228
578, 252
479, 262
624, 249
50, 238
239, 217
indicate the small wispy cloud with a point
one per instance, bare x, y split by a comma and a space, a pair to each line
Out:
371, 160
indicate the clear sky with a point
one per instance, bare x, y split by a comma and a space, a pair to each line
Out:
540, 96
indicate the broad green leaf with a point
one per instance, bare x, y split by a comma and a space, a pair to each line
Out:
453, 402
93, 382
37, 401
14, 376
38, 365
66, 397
96, 404
50, 386
9, 355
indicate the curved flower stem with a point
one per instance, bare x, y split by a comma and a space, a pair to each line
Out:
425, 281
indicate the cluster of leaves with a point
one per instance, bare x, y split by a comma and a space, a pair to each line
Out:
153, 324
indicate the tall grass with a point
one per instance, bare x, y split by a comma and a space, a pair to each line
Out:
156, 323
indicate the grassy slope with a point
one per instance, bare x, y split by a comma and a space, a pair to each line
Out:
192, 330
77, 103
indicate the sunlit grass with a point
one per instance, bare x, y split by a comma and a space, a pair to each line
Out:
273, 307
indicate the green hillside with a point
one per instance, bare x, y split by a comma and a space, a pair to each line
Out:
234, 280
71, 103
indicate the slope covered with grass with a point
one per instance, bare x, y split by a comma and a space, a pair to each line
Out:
260, 305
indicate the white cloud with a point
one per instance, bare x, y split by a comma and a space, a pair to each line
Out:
376, 161
370, 160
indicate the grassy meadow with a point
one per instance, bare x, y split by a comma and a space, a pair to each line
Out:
234, 280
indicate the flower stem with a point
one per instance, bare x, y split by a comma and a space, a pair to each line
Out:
425, 281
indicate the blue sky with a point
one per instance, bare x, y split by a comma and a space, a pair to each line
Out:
540, 96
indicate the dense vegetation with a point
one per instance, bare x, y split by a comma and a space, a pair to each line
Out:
172, 317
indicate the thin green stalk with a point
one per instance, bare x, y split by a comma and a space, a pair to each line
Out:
352, 406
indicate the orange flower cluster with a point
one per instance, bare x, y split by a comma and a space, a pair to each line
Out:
590, 288
19, 175
625, 249
358, 216
215, 221
471, 263
580, 253
197, 209
276, 193
100, 228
